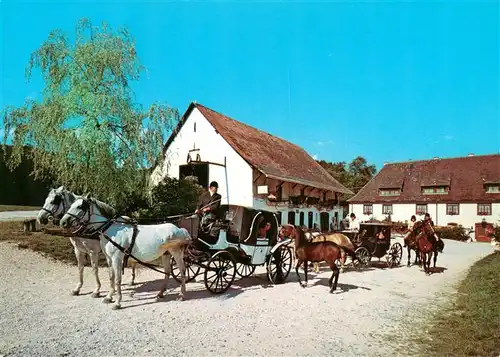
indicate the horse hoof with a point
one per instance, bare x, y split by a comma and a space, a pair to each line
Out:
75, 292
107, 300
180, 298
95, 295
159, 297
116, 307
303, 285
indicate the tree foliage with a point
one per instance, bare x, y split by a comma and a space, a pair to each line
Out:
353, 175
87, 132
172, 197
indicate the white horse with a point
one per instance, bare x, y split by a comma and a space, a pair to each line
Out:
56, 205
151, 241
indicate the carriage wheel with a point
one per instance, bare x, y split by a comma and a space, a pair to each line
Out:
363, 255
220, 272
244, 270
191, 273
394, 255
285, 256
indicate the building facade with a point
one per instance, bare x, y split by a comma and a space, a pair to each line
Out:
253, 168
463, 190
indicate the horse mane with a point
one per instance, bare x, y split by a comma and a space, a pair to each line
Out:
106, 210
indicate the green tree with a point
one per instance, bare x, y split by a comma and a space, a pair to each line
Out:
87, 132
354, 175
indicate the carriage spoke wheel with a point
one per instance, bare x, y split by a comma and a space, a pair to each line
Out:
277, 274
363, 255
220, 272
244, 270
191, 273
395, 255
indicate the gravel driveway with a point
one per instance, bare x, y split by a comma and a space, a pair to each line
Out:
39, 317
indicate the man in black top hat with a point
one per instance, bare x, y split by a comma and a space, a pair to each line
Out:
208, 204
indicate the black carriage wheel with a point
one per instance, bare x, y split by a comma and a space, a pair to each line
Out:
363, 255
220, 272
275, 275
395, 255
244, 270
191, 273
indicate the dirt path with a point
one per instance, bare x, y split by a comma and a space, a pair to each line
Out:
39, 317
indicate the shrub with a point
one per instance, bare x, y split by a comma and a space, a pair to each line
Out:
170, 197
452, 232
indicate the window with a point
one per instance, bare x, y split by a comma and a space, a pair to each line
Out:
389, 192
194, 127
452, 209
302, 191
291, 217
324, 196
484, 209
435, 190
421, 209
368, 209
309, 220
493, 189
301, 218
278, 216
387, 209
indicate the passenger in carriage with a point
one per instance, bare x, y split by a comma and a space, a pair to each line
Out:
354, 223
262, 229
208, 204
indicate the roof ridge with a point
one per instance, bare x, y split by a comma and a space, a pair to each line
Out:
439, 159
248, 126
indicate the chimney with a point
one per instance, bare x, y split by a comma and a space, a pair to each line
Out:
471, 154
385, 163
435, 158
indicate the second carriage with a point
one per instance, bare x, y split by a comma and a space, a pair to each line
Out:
240, 239
374, 240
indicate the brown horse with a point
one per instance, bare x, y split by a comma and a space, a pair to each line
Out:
421, 229
306, 251
338, 238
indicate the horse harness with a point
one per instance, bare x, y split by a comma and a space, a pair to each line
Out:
96, 234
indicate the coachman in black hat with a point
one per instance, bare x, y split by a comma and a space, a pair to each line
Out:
208, 204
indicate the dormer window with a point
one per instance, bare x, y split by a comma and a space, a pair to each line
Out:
389, 192
492, 188
435, 190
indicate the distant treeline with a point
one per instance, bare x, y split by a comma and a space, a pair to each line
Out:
18, 187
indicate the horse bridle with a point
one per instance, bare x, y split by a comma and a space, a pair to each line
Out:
88, 211
52, 213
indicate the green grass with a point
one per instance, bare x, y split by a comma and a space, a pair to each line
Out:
7, 208
470, 326
53, 246
57, 247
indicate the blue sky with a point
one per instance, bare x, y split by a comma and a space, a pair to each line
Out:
385, 80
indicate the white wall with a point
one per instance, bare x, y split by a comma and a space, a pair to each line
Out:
467, 216
213, 148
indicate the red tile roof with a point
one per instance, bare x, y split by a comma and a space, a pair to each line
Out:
465, 177
274, 157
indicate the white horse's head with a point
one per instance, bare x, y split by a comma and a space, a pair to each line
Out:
56, 204
87, 211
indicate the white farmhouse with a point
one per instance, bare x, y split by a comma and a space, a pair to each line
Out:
253, 168
462, 190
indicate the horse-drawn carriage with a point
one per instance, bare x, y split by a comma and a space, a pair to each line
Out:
374, 240
240, 239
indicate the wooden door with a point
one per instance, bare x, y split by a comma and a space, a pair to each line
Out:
480, 232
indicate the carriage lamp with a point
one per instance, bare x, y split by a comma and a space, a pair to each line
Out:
484, 223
